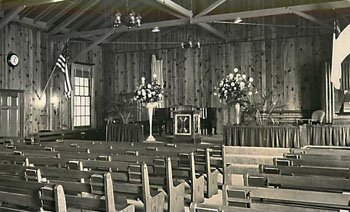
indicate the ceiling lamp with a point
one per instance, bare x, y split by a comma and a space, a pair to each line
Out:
129, 21
117, 19
237, 20
190, 44
155, 29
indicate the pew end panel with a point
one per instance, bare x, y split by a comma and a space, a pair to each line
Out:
151, 203
176, 194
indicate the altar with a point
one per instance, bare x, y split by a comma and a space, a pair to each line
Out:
187, 124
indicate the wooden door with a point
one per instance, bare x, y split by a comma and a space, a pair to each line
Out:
11, 113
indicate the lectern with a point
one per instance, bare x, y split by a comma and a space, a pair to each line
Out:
187, 124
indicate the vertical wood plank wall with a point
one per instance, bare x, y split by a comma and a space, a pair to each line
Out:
30, 75
286, 63
37, 57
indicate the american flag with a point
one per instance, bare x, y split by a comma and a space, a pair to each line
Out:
62, 63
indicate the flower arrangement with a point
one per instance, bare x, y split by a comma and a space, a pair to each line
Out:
149, 93
235, 88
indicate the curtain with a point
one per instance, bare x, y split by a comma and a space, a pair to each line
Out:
125, 132
287, 136
263, 136
157, 68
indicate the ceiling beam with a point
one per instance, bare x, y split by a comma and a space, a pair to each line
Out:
27, 21
213, 31
221, 17
72, 17
212, 7
272, 11
164, 9
120, 29
27, 11
27, 3
176, 7
94, 44
115, 37
311, 18
9, 16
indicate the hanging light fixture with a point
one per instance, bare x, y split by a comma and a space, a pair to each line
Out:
237, 20
189, 43
156, 29
129, 21
117, 19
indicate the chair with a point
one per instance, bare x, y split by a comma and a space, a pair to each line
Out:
317, 116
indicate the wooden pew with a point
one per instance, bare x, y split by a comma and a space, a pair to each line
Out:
313, 162
315, 183
195, 194
247, 156
296, 170
16, 199
49, 201
58, 175
247, 196
256, 207
175, 194
205, 168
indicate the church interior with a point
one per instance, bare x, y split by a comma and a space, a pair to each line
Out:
174, 105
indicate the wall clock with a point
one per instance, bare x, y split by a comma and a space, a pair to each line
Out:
12, 60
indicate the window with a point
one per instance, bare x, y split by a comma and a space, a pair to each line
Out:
82, 96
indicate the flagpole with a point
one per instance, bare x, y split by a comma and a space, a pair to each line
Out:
47, 83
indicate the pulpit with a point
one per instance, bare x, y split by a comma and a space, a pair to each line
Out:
186, 124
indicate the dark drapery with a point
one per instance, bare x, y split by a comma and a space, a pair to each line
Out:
336, 135
125, 132
287, 136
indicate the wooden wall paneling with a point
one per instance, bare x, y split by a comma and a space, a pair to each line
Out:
291, 48
120, 71
197, 101
2, 61
263, 67
182, 74
176, 76
128, 72
305, 78
97, 115
299, 66
188, 81
205, 62
107, 79
166, 77
117, 88
27, 65
41, 68
172, 67
136, 72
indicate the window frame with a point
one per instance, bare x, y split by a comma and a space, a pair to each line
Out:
89, 68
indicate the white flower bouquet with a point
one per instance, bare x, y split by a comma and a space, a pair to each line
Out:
235, 88
148, 93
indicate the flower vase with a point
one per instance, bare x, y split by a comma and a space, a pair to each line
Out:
150, 106
237, 117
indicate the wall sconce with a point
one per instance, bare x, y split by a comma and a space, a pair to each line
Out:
41, 101
54, 100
